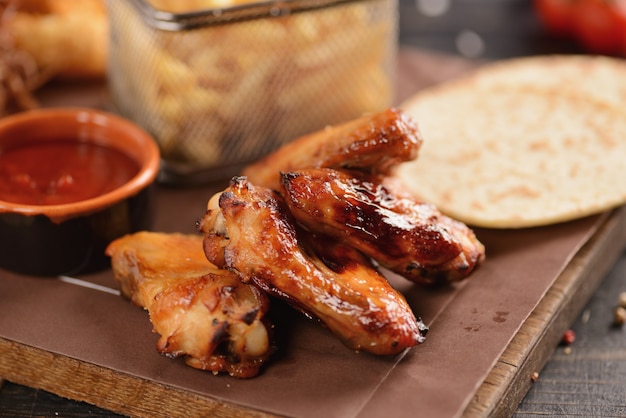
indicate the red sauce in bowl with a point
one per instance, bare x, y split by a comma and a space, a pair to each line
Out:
60, 172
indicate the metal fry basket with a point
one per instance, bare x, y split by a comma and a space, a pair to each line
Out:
219, 88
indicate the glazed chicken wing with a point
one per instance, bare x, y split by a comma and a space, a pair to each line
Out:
373, 143
249, 230
199, 311
410, 238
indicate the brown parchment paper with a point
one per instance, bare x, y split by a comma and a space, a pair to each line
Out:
313, 374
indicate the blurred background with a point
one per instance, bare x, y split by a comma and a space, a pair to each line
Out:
486, 29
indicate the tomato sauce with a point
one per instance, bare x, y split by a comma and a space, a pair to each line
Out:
60, 172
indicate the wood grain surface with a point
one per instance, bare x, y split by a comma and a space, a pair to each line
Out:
588, 378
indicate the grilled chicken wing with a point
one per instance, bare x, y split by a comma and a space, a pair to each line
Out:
373, 143
199, 311
410, 238
249, 230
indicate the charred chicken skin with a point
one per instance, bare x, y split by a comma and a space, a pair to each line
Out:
201, 312
410, 238
249, 230
373, 143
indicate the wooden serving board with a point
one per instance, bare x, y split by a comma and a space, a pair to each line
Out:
532, 345
488, 334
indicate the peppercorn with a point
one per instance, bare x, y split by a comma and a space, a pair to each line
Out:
569, 336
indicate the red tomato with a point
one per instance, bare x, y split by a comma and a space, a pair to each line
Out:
557, 16
600, 25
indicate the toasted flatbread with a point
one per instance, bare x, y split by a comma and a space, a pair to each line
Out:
523, 143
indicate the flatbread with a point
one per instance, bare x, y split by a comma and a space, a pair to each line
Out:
599, 77
523, 143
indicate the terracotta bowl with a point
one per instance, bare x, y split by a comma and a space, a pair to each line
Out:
71, 181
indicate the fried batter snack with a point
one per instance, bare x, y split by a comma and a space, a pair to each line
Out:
201, 312
65, 37
408, 237
249, 230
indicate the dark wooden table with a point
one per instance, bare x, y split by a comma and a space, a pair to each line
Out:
586, 379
